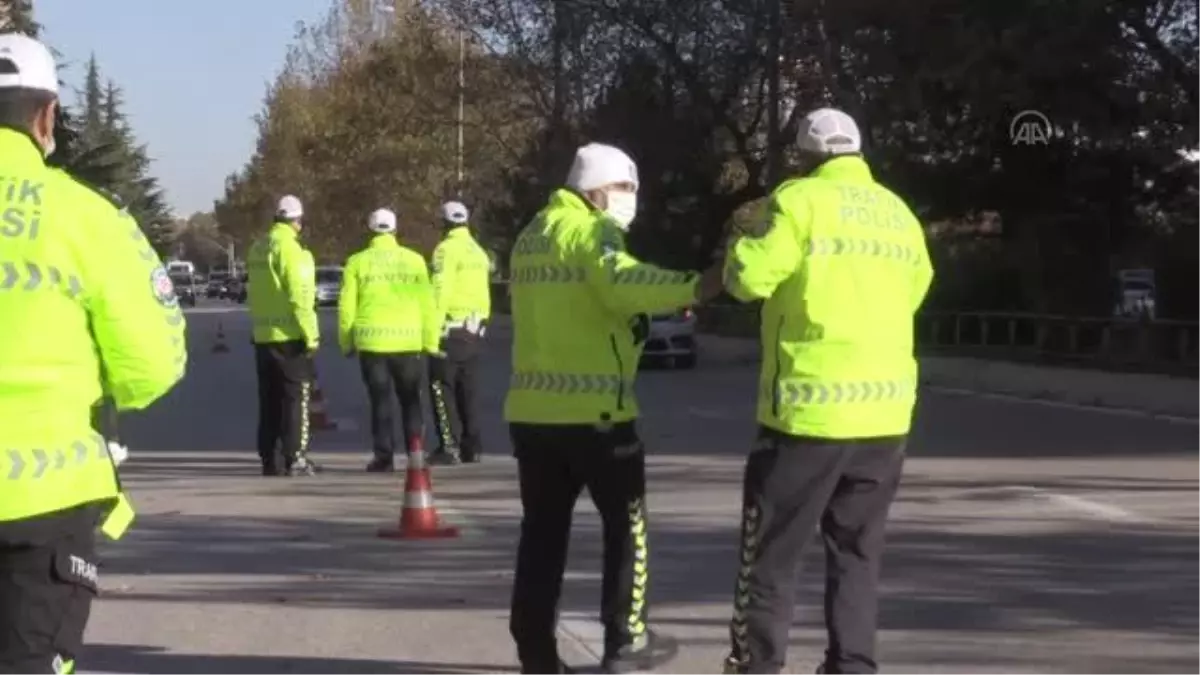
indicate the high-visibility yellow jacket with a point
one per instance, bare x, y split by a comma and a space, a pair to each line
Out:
461, 272
386, 302
86, 310
842, 264
576, 294
282, 292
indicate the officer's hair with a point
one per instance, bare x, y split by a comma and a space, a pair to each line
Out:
18, 107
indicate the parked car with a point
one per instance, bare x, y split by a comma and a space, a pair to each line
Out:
329, 285
185, 288
672, 340
217, 282
235, 288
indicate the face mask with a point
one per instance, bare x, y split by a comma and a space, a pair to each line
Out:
51, 146
622, 207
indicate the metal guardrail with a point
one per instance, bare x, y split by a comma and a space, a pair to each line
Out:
1168, 347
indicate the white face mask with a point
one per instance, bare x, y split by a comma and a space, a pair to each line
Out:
622, 207
50, 147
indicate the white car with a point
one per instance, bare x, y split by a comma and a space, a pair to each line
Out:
329, 285
672, 340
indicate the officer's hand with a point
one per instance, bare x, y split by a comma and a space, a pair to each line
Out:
712, 282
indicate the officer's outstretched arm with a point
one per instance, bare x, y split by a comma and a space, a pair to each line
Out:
299, 286
135, 316
763, 256
442, 273
431, 321
627, 285
348, 305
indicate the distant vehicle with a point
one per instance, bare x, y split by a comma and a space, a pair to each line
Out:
235, 288
185, 287
672, 340
181, 266
1136, 292
217, 282
329, 284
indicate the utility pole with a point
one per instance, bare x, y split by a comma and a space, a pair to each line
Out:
558, 111
774, 55
462, 89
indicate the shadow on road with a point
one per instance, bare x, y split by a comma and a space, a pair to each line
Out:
137, 659
946, 570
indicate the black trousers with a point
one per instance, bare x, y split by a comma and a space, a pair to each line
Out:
284, 387
385, 373
791, 486
453, 384
555, 462
48, 578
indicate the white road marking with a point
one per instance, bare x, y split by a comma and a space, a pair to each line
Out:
1013, 398
587, 637
1088, 507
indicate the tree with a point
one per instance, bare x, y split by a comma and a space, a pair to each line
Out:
16, 16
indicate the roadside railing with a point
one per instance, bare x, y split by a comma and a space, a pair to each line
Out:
1168, 347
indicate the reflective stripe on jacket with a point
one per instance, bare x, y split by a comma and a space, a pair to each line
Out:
88, 311
386, 303
842, 264
576, 292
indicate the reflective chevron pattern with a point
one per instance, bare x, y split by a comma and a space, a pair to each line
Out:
739, 631
650, 277
548, 274
37, 463
384, 332
798, 392
876, 248
565, 383
29, 277
636, 622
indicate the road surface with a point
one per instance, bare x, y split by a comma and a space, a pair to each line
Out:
1026, 537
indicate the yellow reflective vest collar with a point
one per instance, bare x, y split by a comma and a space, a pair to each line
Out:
283, 229
20, 146
851, 169
566, 198
458, 232
384, 240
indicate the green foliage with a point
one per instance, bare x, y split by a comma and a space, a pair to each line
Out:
364, 115
96, 144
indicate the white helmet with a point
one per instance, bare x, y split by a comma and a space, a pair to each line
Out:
455, 212
382, 221
597, 165
289, 208
829, 131
26, 63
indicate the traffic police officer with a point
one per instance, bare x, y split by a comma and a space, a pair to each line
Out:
842, 264
463, 294
386, 315
579, 305
282, 302
89, 312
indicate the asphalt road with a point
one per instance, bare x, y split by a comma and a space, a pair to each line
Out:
1027, 538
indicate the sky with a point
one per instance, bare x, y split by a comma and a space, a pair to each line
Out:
193, 72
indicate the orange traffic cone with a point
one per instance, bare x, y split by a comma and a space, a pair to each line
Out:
418, 518
318, 417
219, 347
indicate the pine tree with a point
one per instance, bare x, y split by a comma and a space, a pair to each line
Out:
130, 180
16, 16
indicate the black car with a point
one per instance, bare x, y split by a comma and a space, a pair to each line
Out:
185, 288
